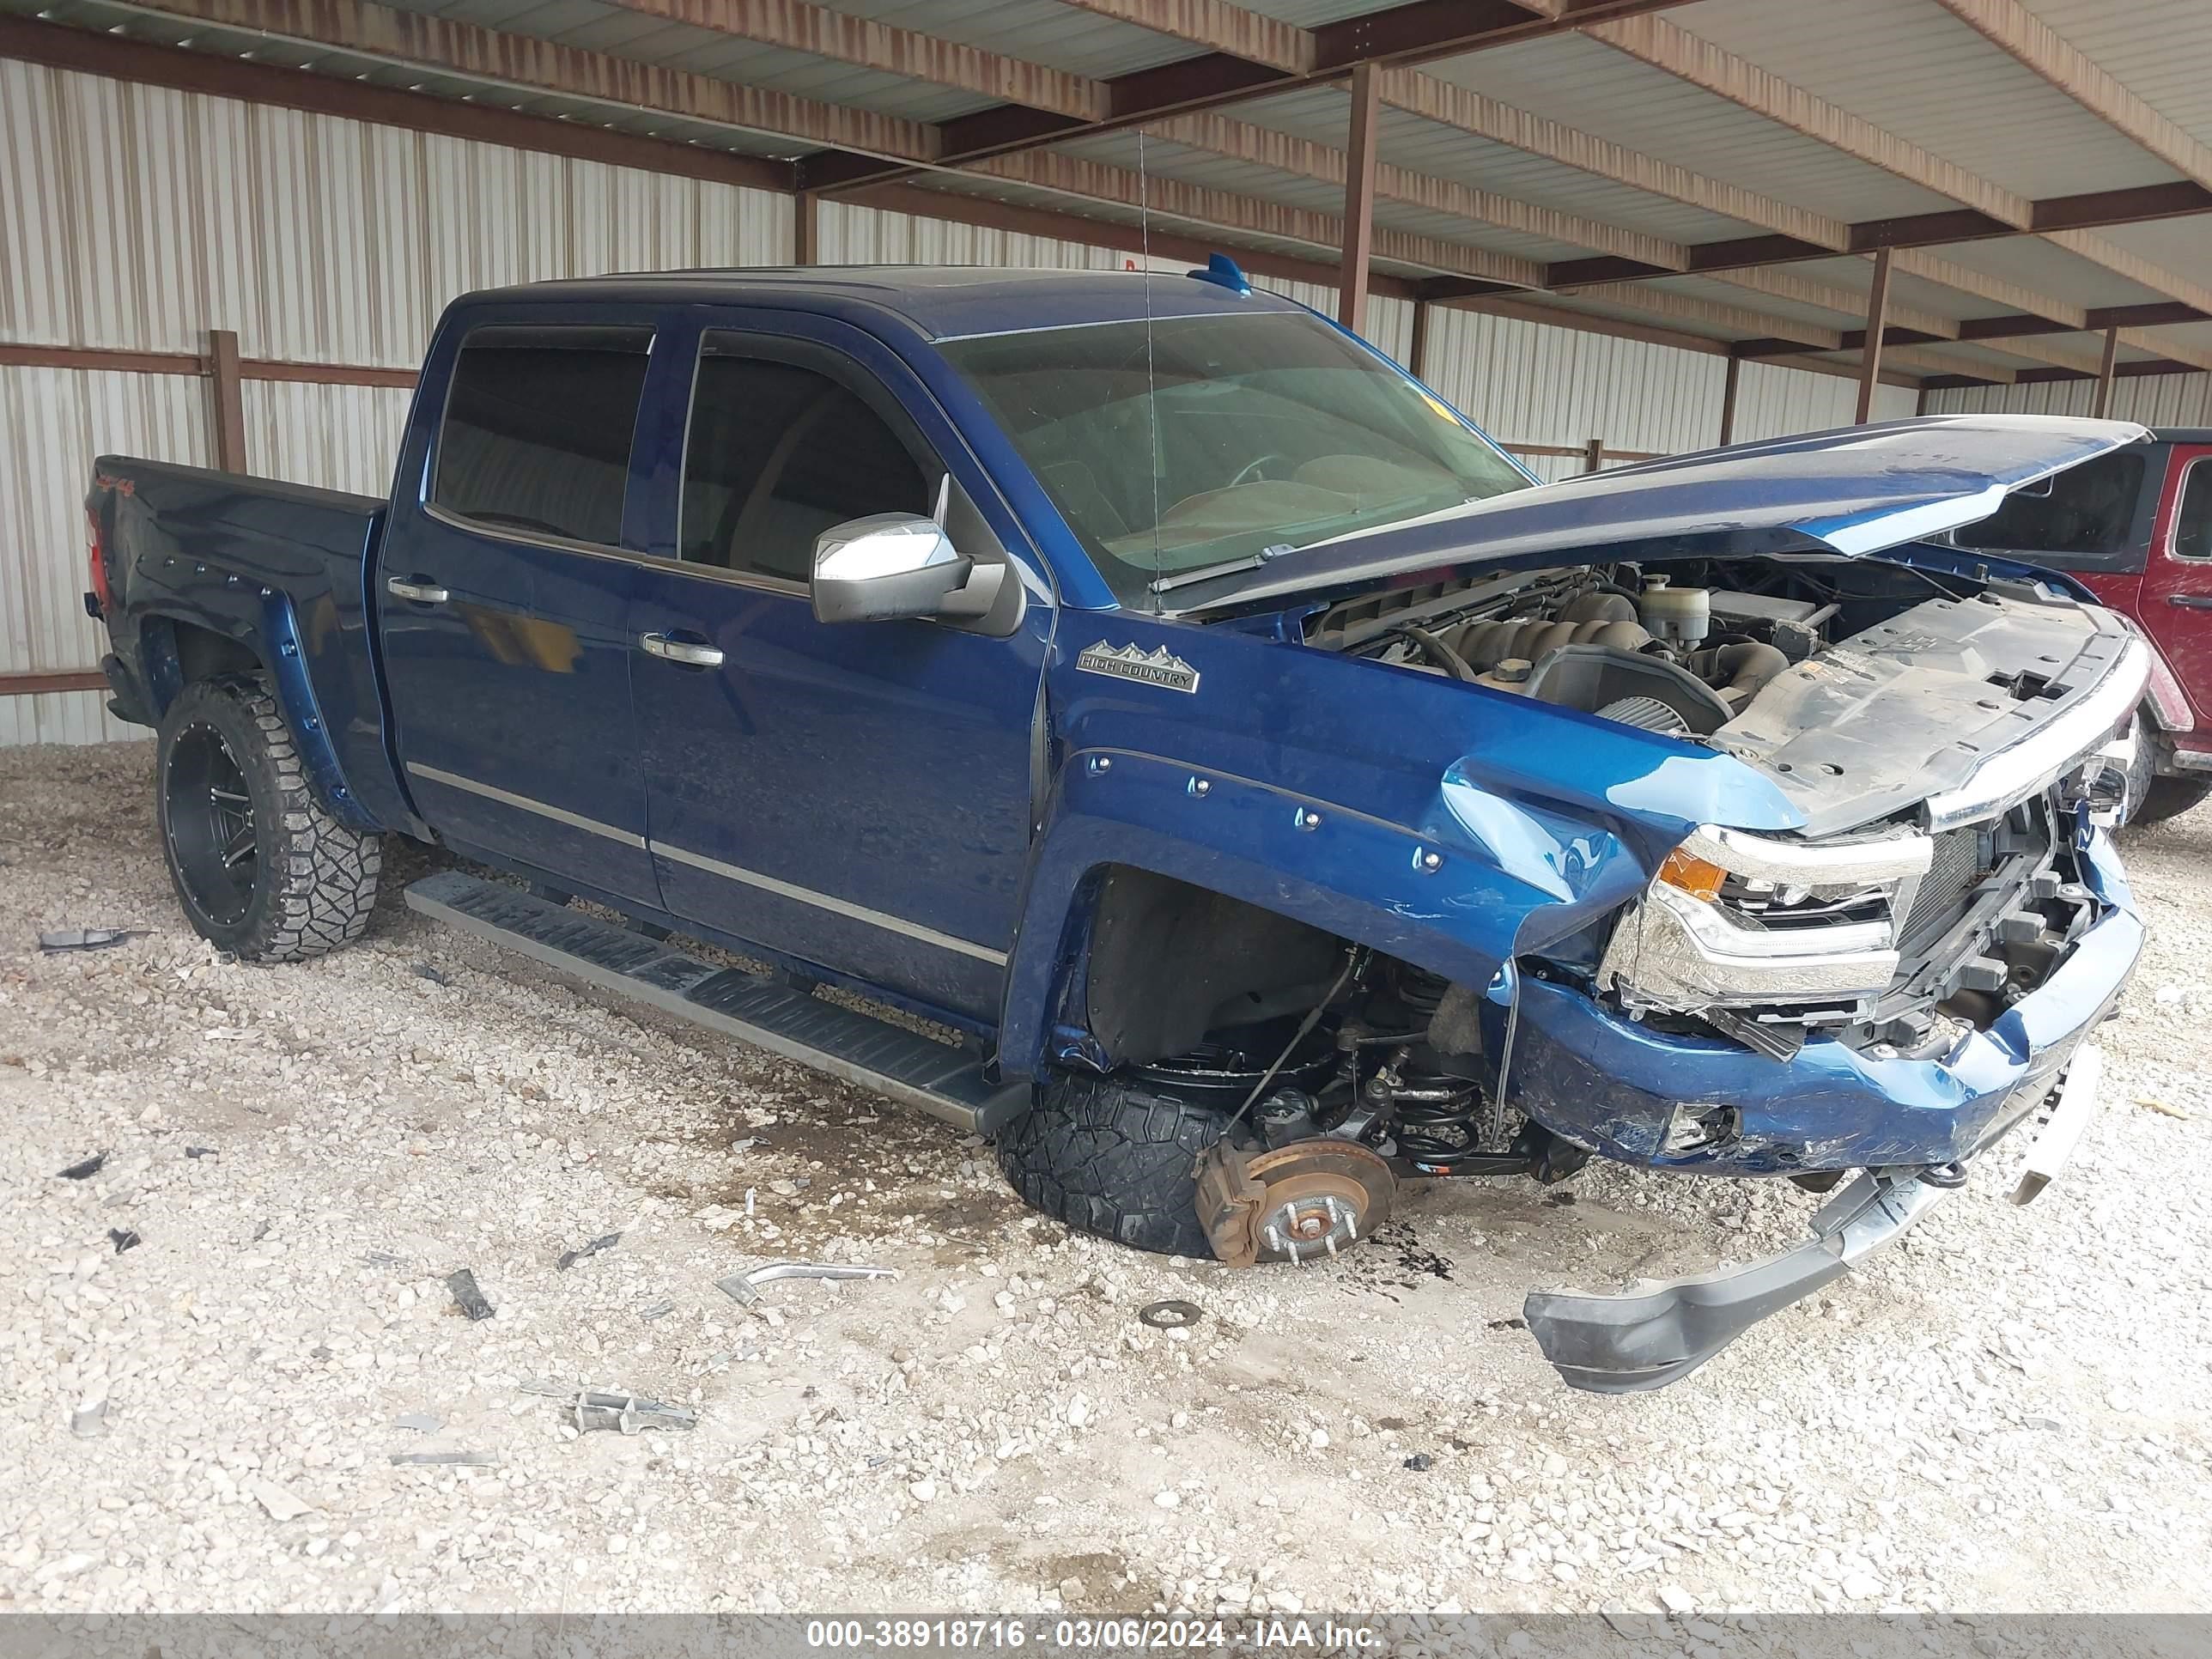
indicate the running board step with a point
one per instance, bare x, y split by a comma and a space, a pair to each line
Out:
943, 1081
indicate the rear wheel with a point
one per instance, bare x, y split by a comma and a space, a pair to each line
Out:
261, 868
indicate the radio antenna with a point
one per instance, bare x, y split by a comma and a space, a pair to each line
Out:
1151, 397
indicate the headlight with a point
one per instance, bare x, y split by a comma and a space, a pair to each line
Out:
1734, 919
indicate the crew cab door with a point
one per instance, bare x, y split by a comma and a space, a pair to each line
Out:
503, 596
2177, 590
855, 795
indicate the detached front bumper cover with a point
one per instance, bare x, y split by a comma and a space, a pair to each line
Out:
1655, 1334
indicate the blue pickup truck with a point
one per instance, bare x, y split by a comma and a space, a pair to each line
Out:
1235, 786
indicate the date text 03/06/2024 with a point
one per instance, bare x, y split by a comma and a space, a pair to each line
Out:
1107, 1634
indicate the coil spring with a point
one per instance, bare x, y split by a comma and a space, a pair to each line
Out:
1438, 1130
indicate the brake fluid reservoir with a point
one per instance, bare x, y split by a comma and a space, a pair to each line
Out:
1680, 615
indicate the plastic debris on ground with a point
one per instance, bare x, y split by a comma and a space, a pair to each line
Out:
86, 1169
123, 1239
463, 1459
570, 1257
744, 1287
466, 1297
87, 938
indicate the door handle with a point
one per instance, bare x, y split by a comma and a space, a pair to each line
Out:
684, 651
421, 589
2190, 601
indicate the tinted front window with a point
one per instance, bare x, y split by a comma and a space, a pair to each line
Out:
2085, 509
1193, 441
537, 430
776, 455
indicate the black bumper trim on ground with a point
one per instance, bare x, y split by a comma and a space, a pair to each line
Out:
1647, 1337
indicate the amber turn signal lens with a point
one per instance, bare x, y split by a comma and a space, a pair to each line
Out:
1693, 875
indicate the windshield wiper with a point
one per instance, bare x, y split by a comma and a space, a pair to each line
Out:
1207, 573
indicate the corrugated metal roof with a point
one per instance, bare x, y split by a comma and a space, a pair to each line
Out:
2182, 244
139, 23
1407, 140
1914, 70
2048, 268
1168, 160
2160, 50
1585, 84
1043, 31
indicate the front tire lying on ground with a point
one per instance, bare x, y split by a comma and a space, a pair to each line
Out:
260, 866
1113, 1157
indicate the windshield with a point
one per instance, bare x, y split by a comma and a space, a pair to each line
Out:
1262, 433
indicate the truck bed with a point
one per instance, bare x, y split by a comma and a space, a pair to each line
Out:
195, 558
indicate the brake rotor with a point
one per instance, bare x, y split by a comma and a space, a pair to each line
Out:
1319, 1196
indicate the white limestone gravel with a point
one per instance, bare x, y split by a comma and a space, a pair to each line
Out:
2009, 1411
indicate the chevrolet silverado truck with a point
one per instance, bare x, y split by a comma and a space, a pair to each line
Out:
1261, 790
2134, 528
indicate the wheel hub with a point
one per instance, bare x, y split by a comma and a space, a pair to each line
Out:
1317, 1197
209, 820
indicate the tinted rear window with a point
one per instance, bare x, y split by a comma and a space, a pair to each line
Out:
537, 429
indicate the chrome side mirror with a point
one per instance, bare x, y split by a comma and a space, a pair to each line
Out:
885, 566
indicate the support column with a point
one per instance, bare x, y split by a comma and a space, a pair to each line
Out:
805, 225
227, 400
1358, 200
1594, 455
1416, 358
1727, 400
1877, 319
2102, 402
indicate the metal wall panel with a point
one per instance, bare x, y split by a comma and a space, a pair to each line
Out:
1772, 400
2154, 400
52, 422
137, 218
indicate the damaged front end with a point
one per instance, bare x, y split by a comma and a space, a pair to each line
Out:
1888, 998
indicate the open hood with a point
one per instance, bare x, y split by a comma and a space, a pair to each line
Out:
1853, 491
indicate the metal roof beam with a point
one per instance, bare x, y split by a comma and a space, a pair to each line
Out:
1285, 152
1782, 285
2118, 260
1692, 58
1216, 25
1454, 105
797, 27
2133, 204
1736, 320
1076, 176
2018, 32
2036, 376
418, 40
117, 58
1410, 32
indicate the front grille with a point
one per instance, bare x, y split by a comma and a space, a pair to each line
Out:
1954, 869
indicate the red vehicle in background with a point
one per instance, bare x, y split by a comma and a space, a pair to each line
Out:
2136, 527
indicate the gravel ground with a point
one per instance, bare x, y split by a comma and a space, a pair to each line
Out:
2007, 1412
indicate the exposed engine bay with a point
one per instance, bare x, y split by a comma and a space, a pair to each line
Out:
1938, 734
1684, 659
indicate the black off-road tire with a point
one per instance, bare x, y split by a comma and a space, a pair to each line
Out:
311, 880
1114, 1158
2168, 797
